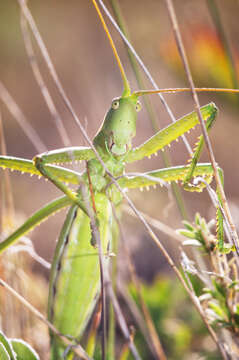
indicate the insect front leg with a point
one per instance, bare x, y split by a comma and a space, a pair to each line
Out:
165, 136
62, 156
190, 172
196, 155
27, 166
177, 174
155, 177
67, 155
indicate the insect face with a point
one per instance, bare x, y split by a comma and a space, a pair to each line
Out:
120, 125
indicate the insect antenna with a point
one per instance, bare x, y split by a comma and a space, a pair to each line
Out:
127, 90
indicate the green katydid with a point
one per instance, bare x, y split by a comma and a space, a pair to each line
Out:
72, 272
78, 276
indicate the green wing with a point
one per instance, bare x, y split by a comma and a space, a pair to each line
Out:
75, 274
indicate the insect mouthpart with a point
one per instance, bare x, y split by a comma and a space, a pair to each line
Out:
119, 150
116, 148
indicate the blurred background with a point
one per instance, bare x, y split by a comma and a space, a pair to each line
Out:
87, 69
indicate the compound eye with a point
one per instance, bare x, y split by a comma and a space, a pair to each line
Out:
138, 106
115, 104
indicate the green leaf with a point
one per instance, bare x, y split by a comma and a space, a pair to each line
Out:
188, 226
204, 225
197, 219
23, 350
232, 285
223, 323
236, 318
7, 345
186, 233
217, 309
220, 290
3, 353
192, 242
226, 248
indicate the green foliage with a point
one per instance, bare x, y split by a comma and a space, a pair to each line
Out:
6, 345
23, 350
16, 349
200, 235
175, 319
219, 298
200, 232
3, 353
